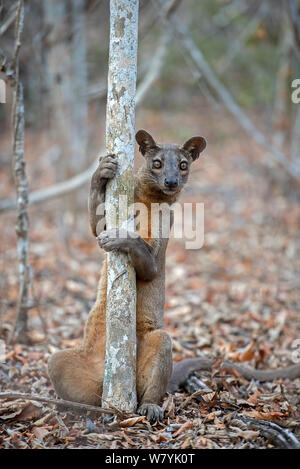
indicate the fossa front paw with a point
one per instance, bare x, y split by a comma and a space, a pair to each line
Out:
107, 169
113, 239
152, 412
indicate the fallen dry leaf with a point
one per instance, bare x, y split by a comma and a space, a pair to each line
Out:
132, 421
248, 353
266, 415
129, 440
246, 434
40, 432
183, 428
234, 299
30, 411
186, 444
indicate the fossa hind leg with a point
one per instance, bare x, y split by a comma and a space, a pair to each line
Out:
77, 376
154, 368
77, 373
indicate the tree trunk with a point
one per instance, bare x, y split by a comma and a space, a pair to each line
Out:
80, 99
19, 170
295, 138
59, 81
67, 83
281, 101
75, 182
119, 387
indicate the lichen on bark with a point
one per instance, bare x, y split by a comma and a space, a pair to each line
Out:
119, 386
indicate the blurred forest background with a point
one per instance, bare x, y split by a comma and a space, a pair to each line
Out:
219, 68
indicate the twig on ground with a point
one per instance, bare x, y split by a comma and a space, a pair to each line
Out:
58, 402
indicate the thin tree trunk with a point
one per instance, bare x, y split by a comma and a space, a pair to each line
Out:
68, 87
295, 131
294, 13
156, 65
238, 44
295, 139
119, 386
72, 184
8, 21
281, 89
19, 171
79, 99
59, 81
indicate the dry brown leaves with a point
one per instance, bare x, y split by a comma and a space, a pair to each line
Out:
236, 298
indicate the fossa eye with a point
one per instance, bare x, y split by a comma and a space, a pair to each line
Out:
156, 164
183, 165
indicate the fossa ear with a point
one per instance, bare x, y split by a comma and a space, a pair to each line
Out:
146, 141
194, 146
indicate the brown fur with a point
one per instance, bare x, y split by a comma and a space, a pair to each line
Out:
77, 374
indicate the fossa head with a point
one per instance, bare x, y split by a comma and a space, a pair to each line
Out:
167, 165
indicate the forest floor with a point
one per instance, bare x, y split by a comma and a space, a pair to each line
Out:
235, 298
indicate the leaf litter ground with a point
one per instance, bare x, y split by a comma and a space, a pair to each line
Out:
235, 298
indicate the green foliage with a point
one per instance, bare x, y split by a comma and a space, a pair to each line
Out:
215, 25
251, 74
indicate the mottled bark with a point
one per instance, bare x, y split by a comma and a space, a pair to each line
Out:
19, 171
119, 387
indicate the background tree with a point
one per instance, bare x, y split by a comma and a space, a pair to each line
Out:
67, 83
236, 298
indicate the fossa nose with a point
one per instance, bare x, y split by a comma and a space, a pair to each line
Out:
171, 183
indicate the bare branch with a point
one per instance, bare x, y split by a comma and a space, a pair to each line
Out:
155, 67
294, 13
58, 402
8, 21
239, 42
18, 33
181, 32
96, 92
62, 188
